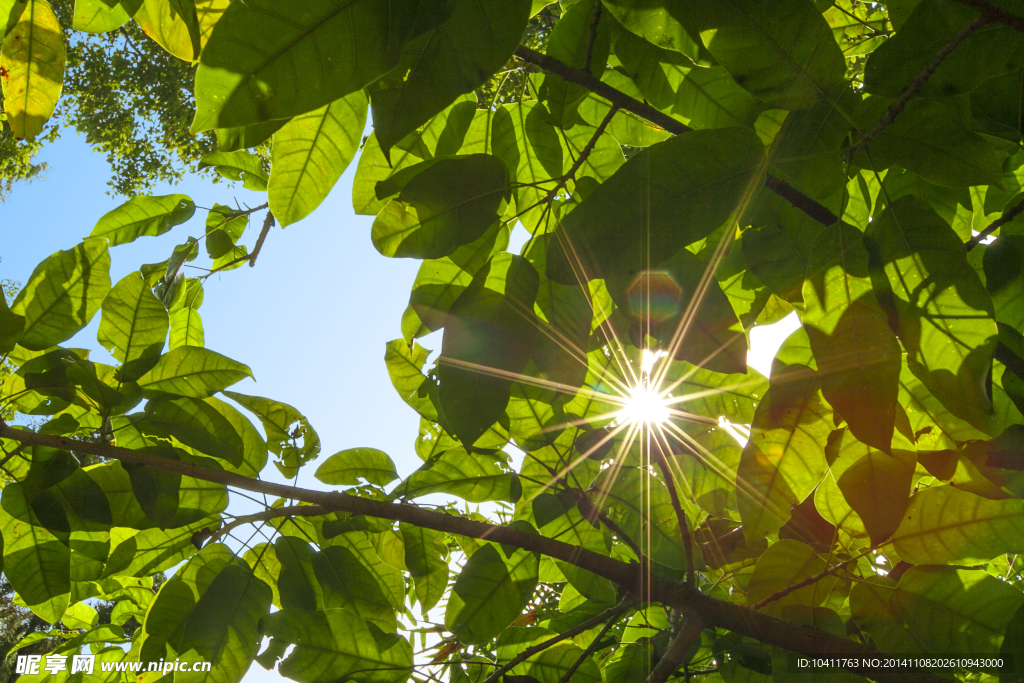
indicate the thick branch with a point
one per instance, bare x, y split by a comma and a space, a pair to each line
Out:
1007, 216
610, 613
595, 20
623, 101
916, 85
677, 649
996, 14
770, 630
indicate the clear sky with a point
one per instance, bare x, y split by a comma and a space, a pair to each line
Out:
311, 319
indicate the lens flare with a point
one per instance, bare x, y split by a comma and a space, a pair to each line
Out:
645, 407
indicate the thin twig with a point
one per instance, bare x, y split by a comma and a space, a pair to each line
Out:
684, 529
670, 661
590, 512
273, 513
594, 644
778, 595
595, 20
809, 206
1007, 216
610, 613
268, 223
916, 85
996, 14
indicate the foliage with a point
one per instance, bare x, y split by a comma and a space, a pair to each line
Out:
649, 506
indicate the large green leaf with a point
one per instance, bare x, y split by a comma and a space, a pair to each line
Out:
700, 97
239, 165
945, 525
310, 153
94, 16
388, 577
143, 216
36, 562
12, 326
349, 466
345, 582
667, 25
777, 252
455, 57
335, 644
670, 194
930, 139
487, 339
63, 294
296, 583
472, 477
289, 434
1004, 278
569, 42
173, 24
938, 305
32, 59
196, 424
785, 457
425, 553
405, 367
989, 51
450, 203
272, 59
781, 51
857, 354
954, 610
133, 326
223, 627
490, 593
788, 562
194, 372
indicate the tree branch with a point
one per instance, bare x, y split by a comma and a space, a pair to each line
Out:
610, 613
770, 630
595, 20
1007, 216
684, 529
996, 14
916, 85
623, 101
594, 644
670, 661
272, 513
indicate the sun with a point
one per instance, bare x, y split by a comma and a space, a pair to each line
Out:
645, 407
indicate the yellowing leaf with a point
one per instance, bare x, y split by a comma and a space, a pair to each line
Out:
32, 65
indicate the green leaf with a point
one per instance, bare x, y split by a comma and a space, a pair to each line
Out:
193, 371
389, 578
335, 644
939, 308
133, 326
425, 556
569, 42
310, 153
95, 16
954, 610
945, 525
12, 326
289, 434
472, 477
778, 252
487, 337
785, 563
781, 51
785, 457
453, 58
273, 60
143, 216
669, 26
32, 59
239, 166
877, 487
642, 506
451, 203
186, 328
930, 139
223, 627
296, 583
489, 593
345, 582
700, 97
173, 24
63, 294
857, 354
348, 466
989, 51
247, 137
36, 563
672, 193
1004, 279
197, 424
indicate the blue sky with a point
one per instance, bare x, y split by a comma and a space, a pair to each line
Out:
311, 318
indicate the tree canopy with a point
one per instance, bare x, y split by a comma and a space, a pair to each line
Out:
628, 500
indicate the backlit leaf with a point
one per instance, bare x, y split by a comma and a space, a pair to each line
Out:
32, 59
